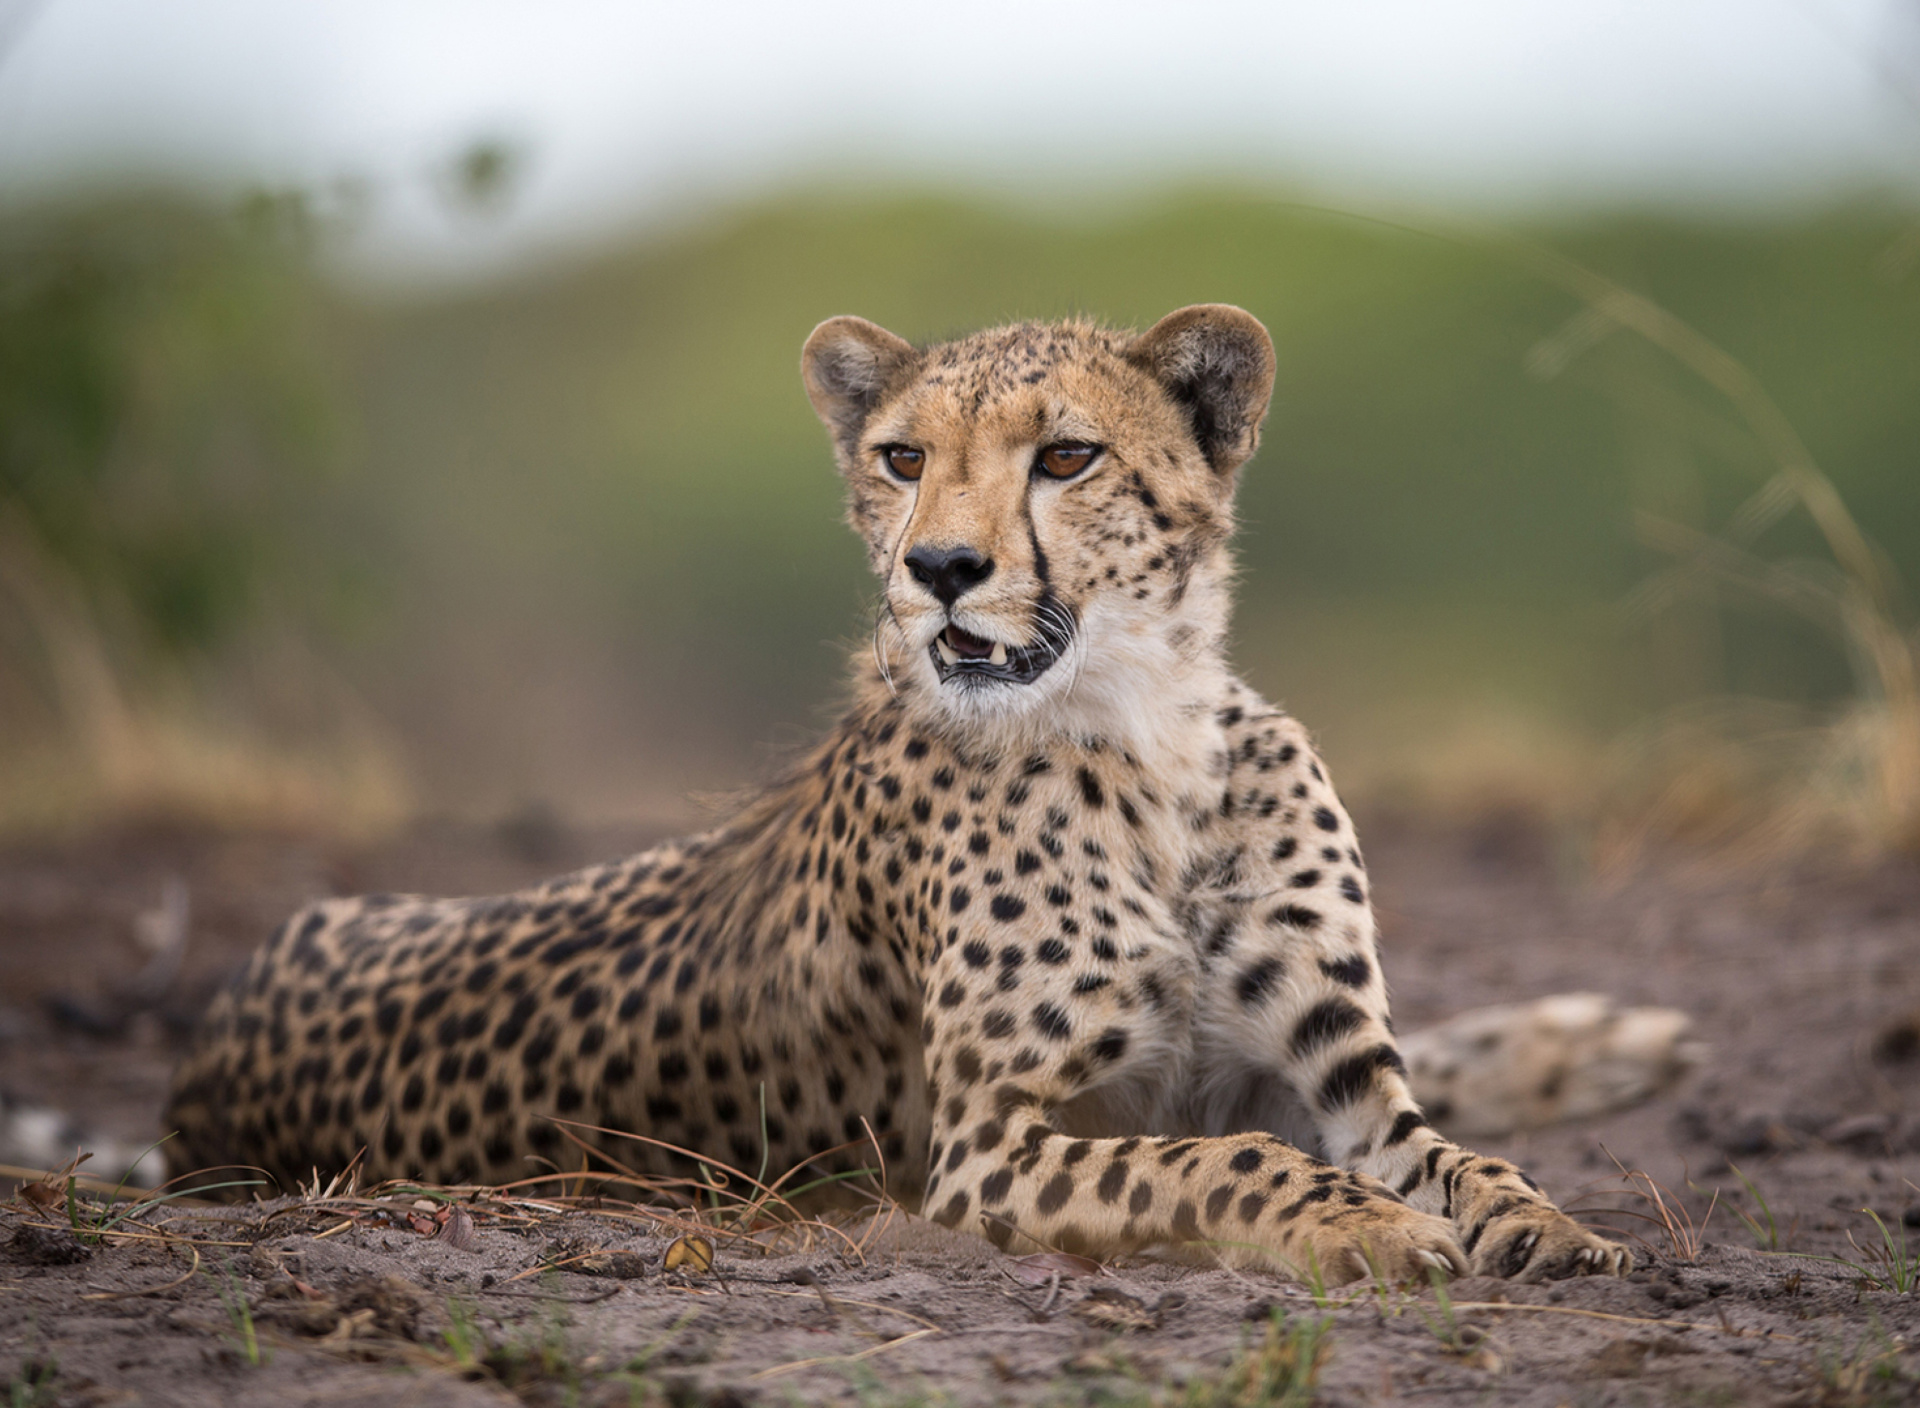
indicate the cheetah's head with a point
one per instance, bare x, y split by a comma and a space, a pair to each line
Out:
1047, 504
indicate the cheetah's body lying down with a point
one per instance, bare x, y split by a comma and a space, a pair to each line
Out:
1061, 911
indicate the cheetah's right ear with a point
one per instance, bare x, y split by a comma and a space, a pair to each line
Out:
1217, 362
847, 364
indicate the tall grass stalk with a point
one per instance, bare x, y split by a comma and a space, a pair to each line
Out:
1856, 602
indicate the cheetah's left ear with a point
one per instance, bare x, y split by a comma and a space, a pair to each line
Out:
1217, 362
848, 365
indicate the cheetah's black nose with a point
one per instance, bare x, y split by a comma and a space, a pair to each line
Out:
948, 572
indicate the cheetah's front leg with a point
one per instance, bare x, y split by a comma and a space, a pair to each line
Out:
1009, 1043
1293, 985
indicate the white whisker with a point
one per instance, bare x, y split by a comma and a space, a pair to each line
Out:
880, 655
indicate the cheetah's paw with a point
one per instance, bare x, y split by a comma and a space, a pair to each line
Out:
1387, 1240
1541, 1243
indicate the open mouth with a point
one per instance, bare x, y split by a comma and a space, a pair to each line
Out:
959, 654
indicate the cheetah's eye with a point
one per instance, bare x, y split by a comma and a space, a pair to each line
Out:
904, 460
1065, 461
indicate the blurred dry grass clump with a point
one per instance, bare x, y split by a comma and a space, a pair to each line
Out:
165, 407
1749, 779
1519, 537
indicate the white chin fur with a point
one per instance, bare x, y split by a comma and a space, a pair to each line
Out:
1120, 679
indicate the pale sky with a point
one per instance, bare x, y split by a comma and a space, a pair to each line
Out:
644, 111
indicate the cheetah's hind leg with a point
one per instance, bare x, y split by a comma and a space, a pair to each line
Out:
1494, 1070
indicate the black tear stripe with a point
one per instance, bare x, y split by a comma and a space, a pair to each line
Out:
1040, 567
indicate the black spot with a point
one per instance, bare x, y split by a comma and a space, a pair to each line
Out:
1112, 1044
1246, 1161
1259, 981
1054, 1195
1353, 971
995, 1186
1051, 951
1403, 1127
1112, 1181
1008, 907
997, 1024
1299, 916
1347, 1081
1350, 887
1052, 1022
1185, 1225
1090, 789
959, 899
1324, 818
1325, 1022
1305, 880
1284, 848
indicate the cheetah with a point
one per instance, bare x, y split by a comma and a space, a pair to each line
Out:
1061, 916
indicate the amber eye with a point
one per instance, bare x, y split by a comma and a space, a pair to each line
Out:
1065, 461
905, 461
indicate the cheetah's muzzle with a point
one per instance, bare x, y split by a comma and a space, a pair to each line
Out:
972, 660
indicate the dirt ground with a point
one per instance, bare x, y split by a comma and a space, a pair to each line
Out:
1805, 983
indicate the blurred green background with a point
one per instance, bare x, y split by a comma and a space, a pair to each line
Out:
284, 548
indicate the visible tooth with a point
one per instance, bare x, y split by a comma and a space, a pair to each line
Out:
999, 655
946, 651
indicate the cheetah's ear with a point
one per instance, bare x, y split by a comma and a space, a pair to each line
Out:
1217, 362
847, 364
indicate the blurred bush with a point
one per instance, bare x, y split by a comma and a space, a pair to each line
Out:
168, 411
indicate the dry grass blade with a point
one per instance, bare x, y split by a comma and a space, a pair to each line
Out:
1685, 1238
160, 1289
730, 1214
1038, 1268
1854, 602
1867, 786
1520, 1308
777, 1370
